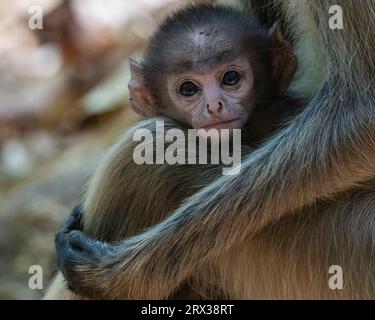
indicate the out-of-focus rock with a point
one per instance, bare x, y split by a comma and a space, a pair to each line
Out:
15, 159
110, 94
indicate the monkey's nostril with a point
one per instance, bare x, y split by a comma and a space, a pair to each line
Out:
220, 106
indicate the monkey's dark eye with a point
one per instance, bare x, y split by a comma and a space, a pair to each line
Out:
188, 89
231, 78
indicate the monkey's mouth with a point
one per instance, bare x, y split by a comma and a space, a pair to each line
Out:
229, 124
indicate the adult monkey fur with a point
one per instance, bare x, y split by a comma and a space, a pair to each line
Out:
303, 202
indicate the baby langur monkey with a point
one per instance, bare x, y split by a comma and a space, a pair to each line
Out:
214, 67
206, 67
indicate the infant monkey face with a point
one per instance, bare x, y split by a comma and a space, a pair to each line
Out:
214, 98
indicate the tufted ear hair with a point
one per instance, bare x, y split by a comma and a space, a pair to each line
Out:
284, 61
141, 98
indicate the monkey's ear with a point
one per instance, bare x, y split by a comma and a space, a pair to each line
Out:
284, 61
141, 98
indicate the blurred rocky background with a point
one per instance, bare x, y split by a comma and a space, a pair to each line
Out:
63, 101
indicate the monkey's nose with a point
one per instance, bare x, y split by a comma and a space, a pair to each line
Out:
215, 107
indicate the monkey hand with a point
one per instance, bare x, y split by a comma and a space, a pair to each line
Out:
77, 258
74, 221
101, 270
75, 250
